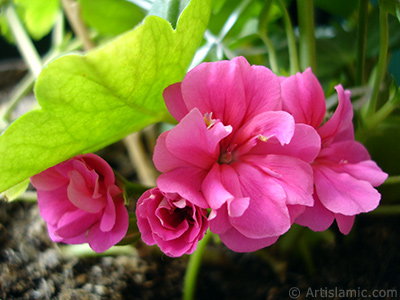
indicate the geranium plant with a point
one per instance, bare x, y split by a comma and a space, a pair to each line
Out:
267, 130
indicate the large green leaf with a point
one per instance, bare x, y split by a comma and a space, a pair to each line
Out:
91, 101
111, 16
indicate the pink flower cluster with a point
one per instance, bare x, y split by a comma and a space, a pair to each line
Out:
252, 149
81, 203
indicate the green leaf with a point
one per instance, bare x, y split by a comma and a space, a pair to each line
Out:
111, 17
91, 101
39, 16
16, 191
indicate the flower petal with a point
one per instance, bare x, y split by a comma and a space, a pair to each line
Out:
317, 217
186, 182
344, 194
194, 143
100, 241
174, 101
345, 223
238, 242
339, 127
304, 98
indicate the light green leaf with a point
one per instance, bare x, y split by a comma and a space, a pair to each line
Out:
91, 101
39, 16
111, 16
16, 191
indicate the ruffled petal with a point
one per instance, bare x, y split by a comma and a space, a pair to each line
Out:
334, 192
186, 182
317, 217
100, 241
194, 143
267, 214
238, 242
304, 98
339, 127
174, 101
305, 144
218, 88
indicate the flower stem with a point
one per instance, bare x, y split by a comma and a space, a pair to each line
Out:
305, 11
382, 60
23, 41
263, 32
392, 180
294, 61
361, 41
192, 269
73, 11
386, 210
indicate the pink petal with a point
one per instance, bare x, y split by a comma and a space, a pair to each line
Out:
267, 214
174, 101
101, 166
296, 177
185, 181
339, 127
218, 88
346, 151
194, 143
305, 144
345, 223
49, 179
238, 242
163, 159
75, 223
262, 88
276, 124
317, 217
54, 204
100, 241
304, 98
213, 189
344, 194
219, 220
366, 170
108, 219
81, 195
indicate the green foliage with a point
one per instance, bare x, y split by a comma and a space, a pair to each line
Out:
90, 101
111, 17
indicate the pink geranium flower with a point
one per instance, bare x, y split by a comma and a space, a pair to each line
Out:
226, 152
170, 221
344, 174
81, 203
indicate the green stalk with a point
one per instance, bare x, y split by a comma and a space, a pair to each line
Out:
305, 11
192, 270
263, 32
294, 61
382, 61
386, 210
392, 180
23, 41
361, 41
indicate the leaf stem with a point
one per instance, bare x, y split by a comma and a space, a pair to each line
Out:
294, 61
382, 61
73, 11
361, 41
386, 210
193, 266
263, 32
305, 11
23, 41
